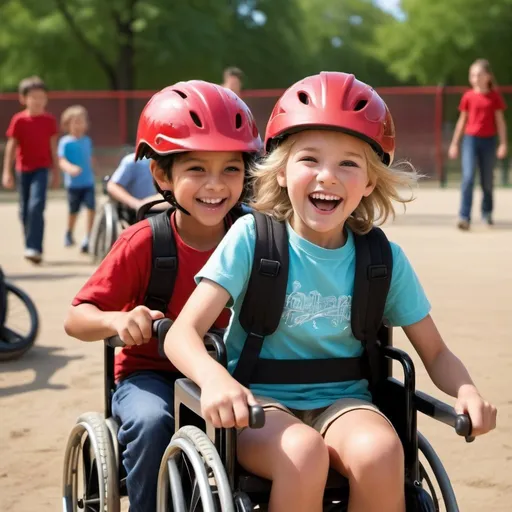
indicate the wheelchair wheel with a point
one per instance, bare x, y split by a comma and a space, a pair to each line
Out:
192, 477
104, 232
439, 487
90, 458
19, 321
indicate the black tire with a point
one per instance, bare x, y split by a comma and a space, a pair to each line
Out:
90, 453
14, 342
436, 481
104, 232
192, 477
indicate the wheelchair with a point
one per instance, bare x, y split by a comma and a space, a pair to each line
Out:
199, 469
94, 478
111, 219
19, 320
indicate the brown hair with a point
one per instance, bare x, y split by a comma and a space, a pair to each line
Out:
486, 66
270, 198
70, 113
233, 71
32, 83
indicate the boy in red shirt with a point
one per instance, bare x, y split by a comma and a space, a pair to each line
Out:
198, 136
32, 139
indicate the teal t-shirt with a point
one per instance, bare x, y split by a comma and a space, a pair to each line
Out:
315, 323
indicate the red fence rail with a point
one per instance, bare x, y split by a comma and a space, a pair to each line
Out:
424, 118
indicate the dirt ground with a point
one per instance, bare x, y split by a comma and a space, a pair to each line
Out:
467, 277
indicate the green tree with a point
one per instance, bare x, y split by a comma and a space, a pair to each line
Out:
438, 40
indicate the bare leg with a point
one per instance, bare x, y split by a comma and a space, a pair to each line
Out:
365, 448
293, 456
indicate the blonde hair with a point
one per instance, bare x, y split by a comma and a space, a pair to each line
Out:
70, 113
270, 198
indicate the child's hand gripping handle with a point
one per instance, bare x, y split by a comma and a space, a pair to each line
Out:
160, 328
463, 427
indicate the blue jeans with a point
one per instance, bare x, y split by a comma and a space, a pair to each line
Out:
32, 187
143, 404
479, 151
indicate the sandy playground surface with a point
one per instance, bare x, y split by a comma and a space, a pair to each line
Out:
467, 277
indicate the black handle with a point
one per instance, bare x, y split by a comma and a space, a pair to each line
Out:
463, 427
256, 416
159, 328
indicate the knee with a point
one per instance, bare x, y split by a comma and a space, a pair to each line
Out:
376, 454
306, 454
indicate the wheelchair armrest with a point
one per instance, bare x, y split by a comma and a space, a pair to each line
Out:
444, 413
187, 393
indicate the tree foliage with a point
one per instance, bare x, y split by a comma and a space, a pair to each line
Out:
439, 39
146, 44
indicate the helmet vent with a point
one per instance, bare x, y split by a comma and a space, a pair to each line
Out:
303, 97
238, 121
360, 105
196, 119
180, 93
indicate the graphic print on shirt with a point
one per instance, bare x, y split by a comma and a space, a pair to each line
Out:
300, 308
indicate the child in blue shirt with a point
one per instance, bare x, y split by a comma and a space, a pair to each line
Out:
330, 144
75, 159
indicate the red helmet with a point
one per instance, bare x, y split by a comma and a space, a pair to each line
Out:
338, 101
197, 116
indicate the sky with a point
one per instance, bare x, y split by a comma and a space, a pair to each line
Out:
391, 6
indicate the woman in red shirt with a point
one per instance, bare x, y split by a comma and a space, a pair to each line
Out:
481, 119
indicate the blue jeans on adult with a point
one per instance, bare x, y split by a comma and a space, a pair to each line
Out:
32, 188
479, 151
143, 404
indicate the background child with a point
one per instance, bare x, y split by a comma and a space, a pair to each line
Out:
481, 118
75, 160
331, 140
132, 182
32, 138
200, 169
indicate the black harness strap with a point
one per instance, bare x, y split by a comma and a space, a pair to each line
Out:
374, 264
164, 263
266, 292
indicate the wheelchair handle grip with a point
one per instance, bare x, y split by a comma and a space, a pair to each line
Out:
256, 416
160, 328
463, 427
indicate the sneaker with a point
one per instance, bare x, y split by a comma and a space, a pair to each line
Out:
33, 256
68, 239
84, 247
463, 224
488, 220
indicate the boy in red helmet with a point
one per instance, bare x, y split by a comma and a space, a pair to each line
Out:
198, 136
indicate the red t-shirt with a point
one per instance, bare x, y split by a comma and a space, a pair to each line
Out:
481, 107
120, 283
33, 134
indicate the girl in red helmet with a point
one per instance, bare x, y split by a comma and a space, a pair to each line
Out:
327, 174
199, 137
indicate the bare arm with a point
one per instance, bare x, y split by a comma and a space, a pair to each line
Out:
450, 375
459, 128
120, 194
445, 369
198, 315
9, 154
88, 323
68, 167
502, 131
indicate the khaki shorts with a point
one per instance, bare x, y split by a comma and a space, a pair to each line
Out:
321, 419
